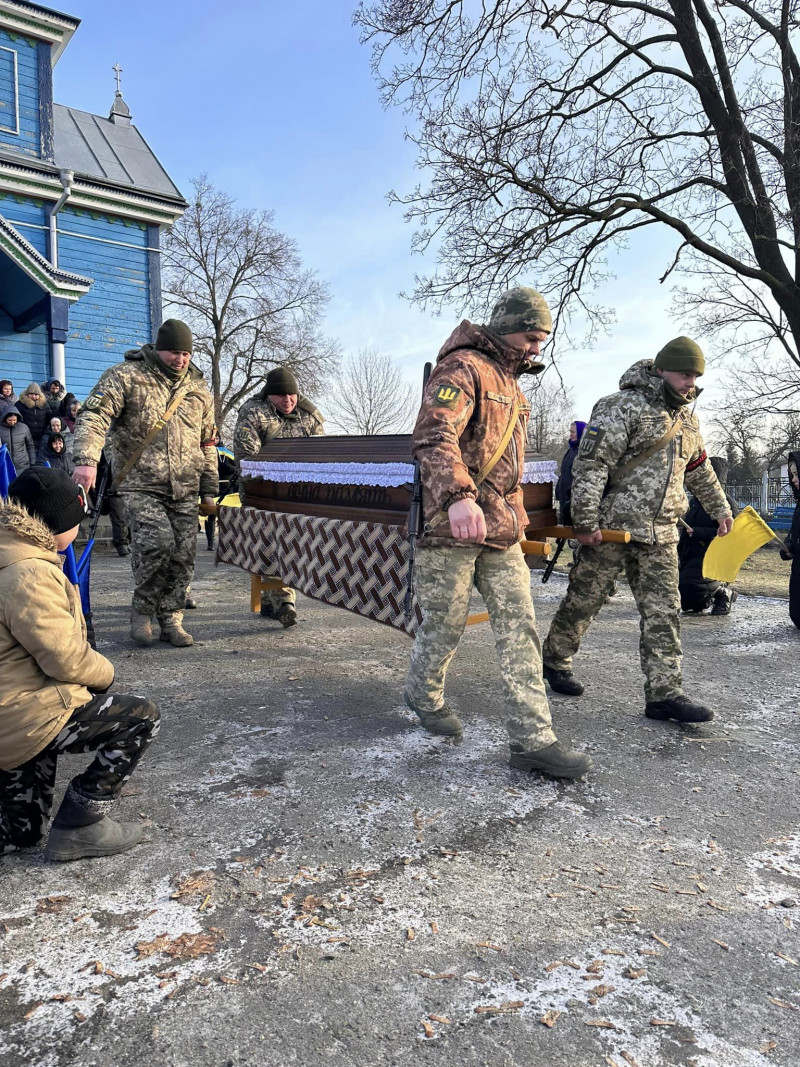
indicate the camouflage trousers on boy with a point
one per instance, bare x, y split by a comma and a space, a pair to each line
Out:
117, 728
652, 572
163, 547
444, 579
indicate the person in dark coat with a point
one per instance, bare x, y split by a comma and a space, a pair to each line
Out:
16, 436
699, 593
564, 483
54, 393
792, 547
34, 411
7, 394
55, 426
228, 480
55, 453
71, 411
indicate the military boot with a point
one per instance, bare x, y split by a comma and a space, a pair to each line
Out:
724, 599
83, 830
562, 681
680, 708
442, 721
554, 760
141, 628
287, 615
172, 630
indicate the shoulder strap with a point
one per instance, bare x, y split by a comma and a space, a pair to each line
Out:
657, 446
487, 468
131, 461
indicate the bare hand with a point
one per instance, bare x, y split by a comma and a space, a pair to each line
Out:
590, 539
208, 506
724, 526
85, 476
467, 521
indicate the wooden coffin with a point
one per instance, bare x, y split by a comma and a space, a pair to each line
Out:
295, 475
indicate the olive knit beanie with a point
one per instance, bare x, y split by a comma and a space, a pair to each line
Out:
174, 336
681, 354
281, 382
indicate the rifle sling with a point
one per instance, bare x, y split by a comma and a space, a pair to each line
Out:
642, 457
159, 425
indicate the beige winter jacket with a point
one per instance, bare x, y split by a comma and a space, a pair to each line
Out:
46, 663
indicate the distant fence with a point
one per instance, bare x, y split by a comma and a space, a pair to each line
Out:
764, 499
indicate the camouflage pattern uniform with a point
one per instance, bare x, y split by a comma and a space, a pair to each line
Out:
160, 492
647, 501
119, 729
260, 421
465, 411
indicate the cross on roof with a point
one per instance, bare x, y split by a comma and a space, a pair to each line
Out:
117, 70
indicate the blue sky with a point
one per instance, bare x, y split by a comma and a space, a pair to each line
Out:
276, 102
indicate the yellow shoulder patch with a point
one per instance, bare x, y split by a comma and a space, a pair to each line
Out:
446, 396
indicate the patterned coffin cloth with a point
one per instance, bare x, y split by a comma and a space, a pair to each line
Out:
358, 566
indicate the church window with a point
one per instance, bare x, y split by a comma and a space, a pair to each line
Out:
9, 91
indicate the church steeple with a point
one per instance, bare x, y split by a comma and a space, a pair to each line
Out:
120, 113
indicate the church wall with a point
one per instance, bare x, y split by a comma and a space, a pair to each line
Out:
24, 357
115, 314
20, 93
29, 217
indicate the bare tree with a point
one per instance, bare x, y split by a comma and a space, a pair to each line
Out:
550, 131
552, 411
242, 287
369, 396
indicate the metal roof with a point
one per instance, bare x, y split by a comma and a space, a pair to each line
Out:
98, 148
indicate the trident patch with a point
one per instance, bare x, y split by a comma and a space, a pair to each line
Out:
446, 396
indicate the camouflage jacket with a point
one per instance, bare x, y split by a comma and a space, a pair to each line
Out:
650, 499
260, 421
465, 413
126, 403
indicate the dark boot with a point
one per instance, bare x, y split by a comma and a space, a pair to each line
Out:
442, 721
724, 600
267, 610
554, 760
562, 681
123, 550
191, 603
679, 708
287, 616
83, 830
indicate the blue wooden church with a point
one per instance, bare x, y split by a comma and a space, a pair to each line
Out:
83, 201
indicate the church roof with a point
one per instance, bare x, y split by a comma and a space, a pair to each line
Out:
98, 148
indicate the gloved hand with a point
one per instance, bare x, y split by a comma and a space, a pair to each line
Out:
786, 553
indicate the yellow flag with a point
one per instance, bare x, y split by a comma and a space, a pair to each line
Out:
725, 555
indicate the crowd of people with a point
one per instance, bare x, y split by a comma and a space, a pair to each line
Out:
150, 421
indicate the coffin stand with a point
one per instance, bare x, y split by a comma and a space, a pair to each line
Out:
326, 516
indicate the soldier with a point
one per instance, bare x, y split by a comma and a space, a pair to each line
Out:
469, 441
278, 411
640, 447
159, 417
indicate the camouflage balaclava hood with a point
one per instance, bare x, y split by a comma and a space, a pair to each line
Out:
520, 310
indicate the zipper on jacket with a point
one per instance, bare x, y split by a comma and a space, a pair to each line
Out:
672, 447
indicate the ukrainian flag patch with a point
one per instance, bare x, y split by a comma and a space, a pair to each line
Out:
592, 437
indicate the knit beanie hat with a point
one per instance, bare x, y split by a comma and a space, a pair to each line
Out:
281, 382
52, 496
174, 336
520, 310
681, 354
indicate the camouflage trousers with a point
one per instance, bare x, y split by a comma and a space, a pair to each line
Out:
163, 546
652, 572
444, 581
276, 598
117, 728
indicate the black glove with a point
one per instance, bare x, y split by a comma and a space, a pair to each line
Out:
786, 553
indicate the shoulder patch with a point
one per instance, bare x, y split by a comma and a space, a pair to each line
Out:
446, 396
94, 401
592, 438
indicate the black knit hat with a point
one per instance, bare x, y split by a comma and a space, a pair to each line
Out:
281, 382
52, 496
174, 336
